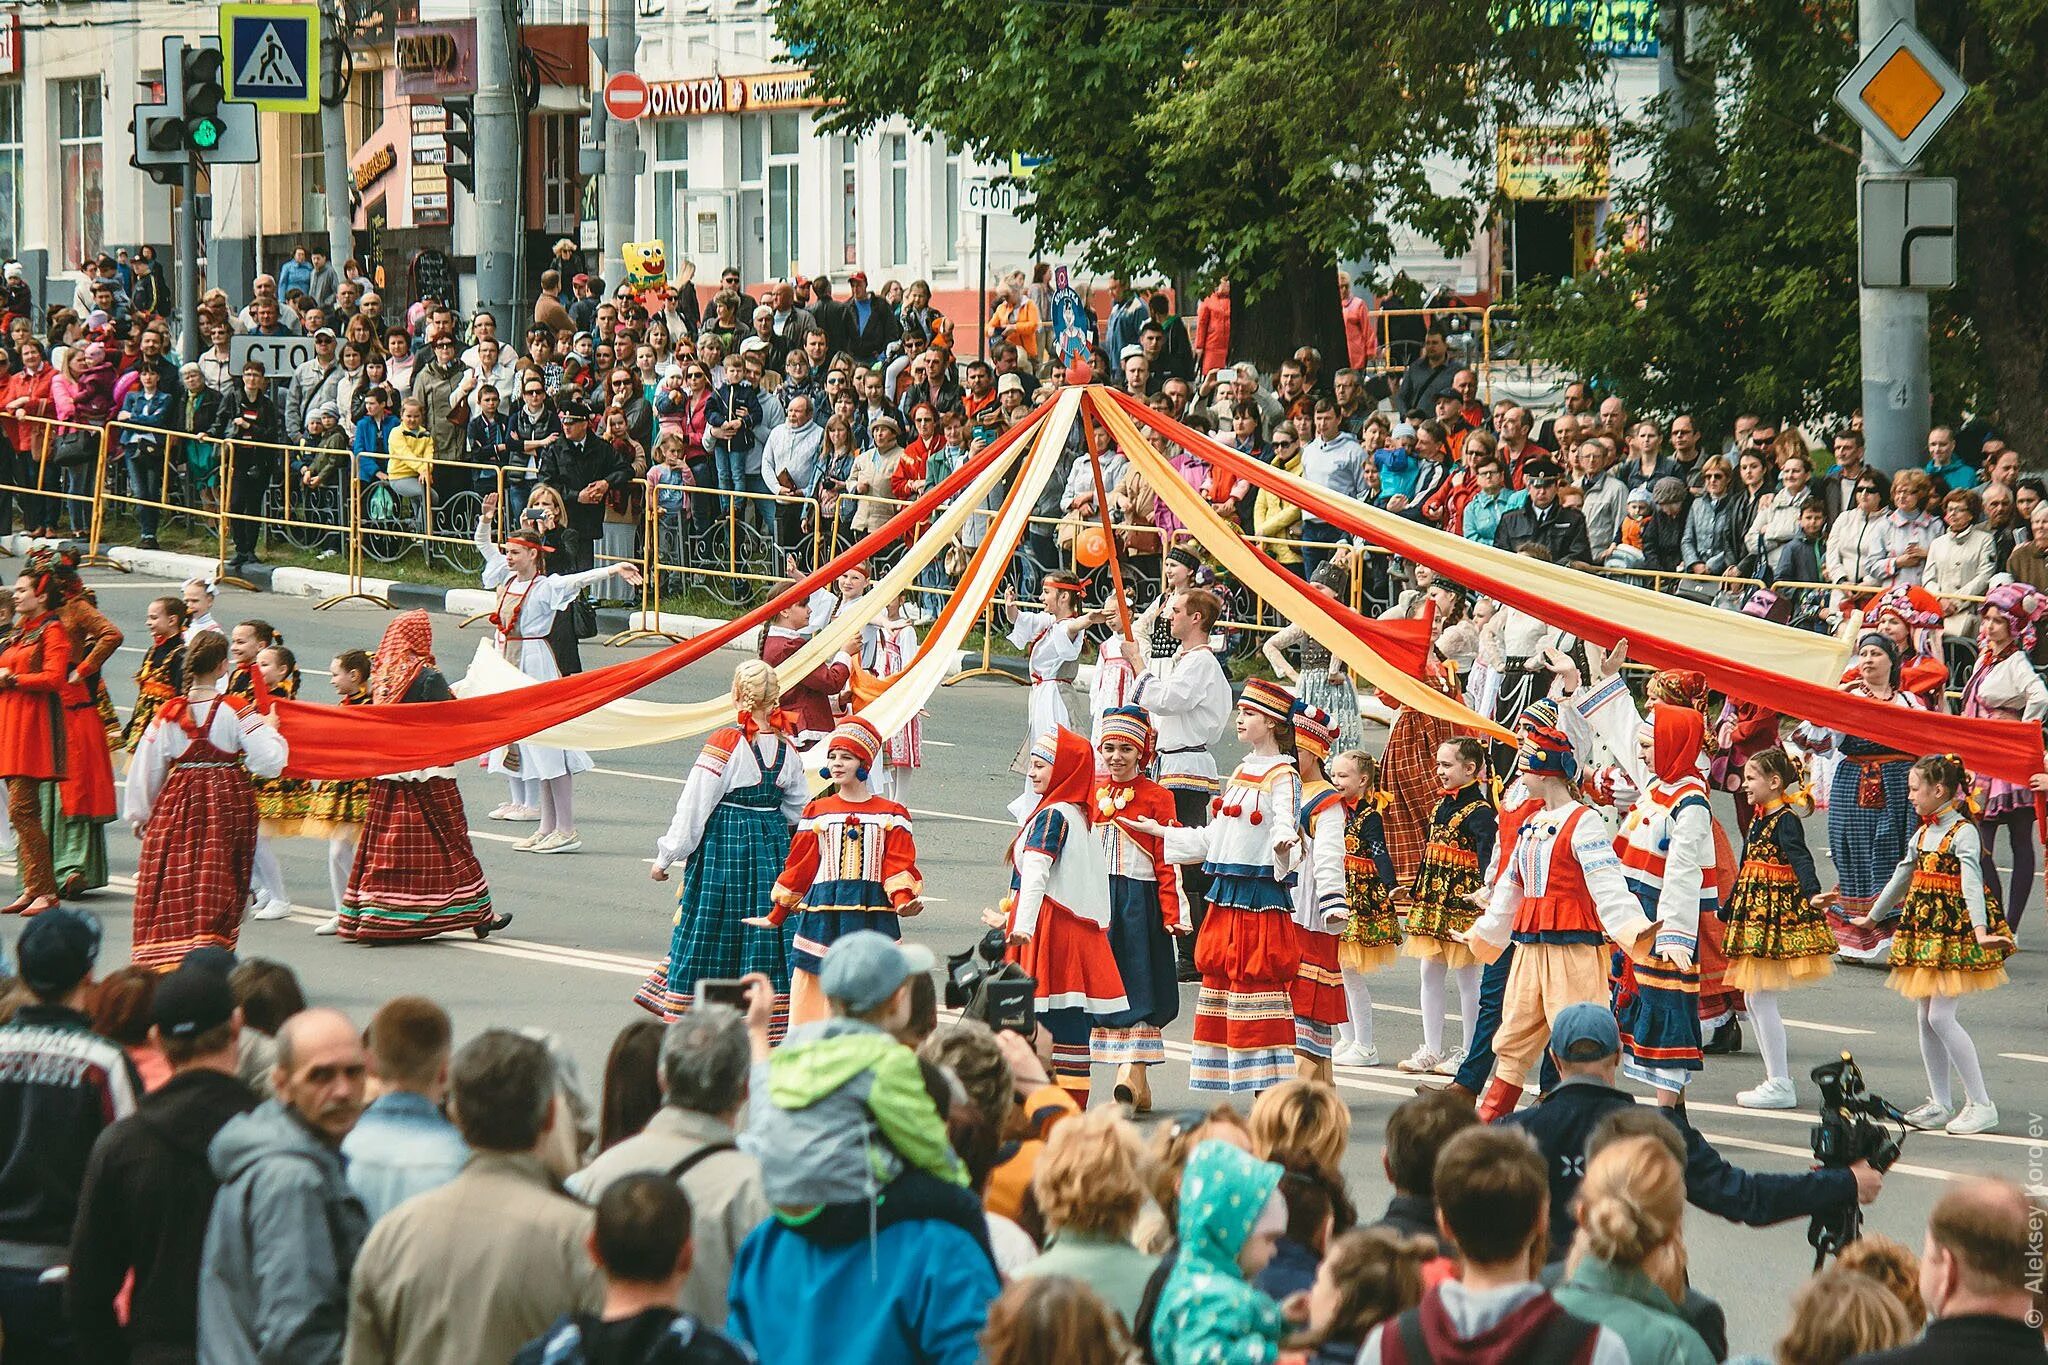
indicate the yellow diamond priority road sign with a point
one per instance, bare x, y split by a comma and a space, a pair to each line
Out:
1901, 93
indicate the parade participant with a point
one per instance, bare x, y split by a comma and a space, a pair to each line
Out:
161, 675
2006, 686
1910, 617
827, 603
731, 832
903, 753
1322, 681
1778, 935
1441, 907
188, 796
1525, 644
1869, 811
77, 810
1408, 780
415, 873
1560, 895
1057, 914
1147, 908
1052, 641
281, 802
199, 594
336, 808
1951, 940
1321, 910
244, 681
852, 865
1153, 626
35, 665
1247, 948
1188, 698
529, 599
1372, 933
808, 700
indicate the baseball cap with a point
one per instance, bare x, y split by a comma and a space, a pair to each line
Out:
1584, 1032
580, 278
1131, 352
57, 950
857, 277
1010, 383
327, 332
752, 344
193, 999
865, 968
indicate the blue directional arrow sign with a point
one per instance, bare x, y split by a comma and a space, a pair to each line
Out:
272, 56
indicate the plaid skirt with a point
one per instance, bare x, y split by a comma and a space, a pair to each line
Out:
193, 876
1408, 774
415, 873
1866, 844
729, 878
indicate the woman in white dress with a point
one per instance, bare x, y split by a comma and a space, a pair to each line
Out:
528, 600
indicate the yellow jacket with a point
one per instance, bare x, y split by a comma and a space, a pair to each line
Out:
1272, 516
412, 454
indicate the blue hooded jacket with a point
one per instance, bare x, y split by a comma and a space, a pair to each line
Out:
1208, 1314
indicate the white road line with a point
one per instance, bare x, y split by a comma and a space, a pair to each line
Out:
1841, 1029
2024, 1057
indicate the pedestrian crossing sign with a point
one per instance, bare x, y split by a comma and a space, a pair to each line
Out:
272, 56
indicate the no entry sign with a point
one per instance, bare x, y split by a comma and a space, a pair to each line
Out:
625, 96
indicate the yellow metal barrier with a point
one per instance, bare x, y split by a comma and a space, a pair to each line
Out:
55, 489
734, 549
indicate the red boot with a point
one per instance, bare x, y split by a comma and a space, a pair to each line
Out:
1499, 1101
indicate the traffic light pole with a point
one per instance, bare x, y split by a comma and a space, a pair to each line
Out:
190, 344
500, 223
334, 141
621, 147
1898, 401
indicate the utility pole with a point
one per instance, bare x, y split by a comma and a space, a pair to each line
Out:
621, 149
334, 138
500, 223
189, 343
1897, 394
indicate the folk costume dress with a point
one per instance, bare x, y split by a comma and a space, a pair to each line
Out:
34, 743
1058, 911
1372, 936
1408, 776
903, 754
1248, 949
852, 865
1147, 907
282, 802
1455, 856
1052, 646
415, 873
2005, 685
160, 678
1321, 910
1188, 698
1324, 684
731, 832
1938, 896
188, 794
1870, 817
77, 810
1776, 939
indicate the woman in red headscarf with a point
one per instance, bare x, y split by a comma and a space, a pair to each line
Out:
1057, 915
415, 873
35, 666
189, 797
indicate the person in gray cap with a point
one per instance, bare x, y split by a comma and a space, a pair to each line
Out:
316, 382
61, 1085
148, 1188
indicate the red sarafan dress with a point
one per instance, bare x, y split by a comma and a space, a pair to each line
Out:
189, 793
37, 658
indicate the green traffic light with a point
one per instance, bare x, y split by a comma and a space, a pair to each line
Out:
205, 133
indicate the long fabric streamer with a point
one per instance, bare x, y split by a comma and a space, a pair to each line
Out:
1606, 613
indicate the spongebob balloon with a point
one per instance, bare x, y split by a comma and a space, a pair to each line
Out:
646, 266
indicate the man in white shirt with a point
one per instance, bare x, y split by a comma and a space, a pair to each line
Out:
789, 466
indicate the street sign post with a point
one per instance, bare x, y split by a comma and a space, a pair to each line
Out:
272, 56
626, 96
985, 199
1906, 229
1901, 93
279, 356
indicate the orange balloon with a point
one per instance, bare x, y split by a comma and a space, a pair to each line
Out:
1091, 548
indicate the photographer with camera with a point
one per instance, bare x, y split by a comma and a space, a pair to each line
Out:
1586, 1043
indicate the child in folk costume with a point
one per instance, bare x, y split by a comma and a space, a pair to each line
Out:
336, 808
1248, 948
826, 604
903, 753
77, 810
162, 673
1372, 933
199, 594
1560, 896
415, 873
810, 700
245, 682
851, 866
1147, 907
188, 796
731, 832
281, 802
1951, 940
1454, 862
1778, 936
35, 667
1115, 684
2005, 685
1057, 913
529, 599
1052, 641
1321, 910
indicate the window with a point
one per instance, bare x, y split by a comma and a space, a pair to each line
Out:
559, 202
898, 146
784, 207
80, 155
312, 162
849, 203
365, 106
946, 204
671, 181
750, 150
10, 170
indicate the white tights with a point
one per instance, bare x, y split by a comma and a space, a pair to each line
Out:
1769, 1026
525, 790
266, 874
1945, 1044
557, 803
1358, 1005
341, 860
1433, 973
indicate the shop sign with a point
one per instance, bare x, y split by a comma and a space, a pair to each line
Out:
436, 59
1613, 28
1553, 162
374, 166
10, 45
731, 95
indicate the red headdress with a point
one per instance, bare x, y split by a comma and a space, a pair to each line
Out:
407, 647
1073, 771
1676, 737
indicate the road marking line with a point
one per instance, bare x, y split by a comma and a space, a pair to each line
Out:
2024, 1057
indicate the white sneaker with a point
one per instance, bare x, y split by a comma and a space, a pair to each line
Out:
273, 910
524, 814
559, 842
502, 811
1777, 1092
329, 927
1928, 1116
1975, 1118
531, 842
1453, 1059
1420, 1063
1351, 1054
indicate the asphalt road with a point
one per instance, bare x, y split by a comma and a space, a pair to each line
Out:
589, 926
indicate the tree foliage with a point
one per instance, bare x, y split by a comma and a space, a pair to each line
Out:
1263, 141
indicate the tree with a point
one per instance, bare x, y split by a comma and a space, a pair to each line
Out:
1258, 141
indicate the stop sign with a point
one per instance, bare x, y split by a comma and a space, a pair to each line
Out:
626, 96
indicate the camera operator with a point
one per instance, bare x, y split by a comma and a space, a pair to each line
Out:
1586, 1043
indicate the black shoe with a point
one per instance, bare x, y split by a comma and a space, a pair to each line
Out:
497, 922
1187, 971
150, 543
1727, 1042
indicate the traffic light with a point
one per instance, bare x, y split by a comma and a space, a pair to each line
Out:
200, 70
461, 135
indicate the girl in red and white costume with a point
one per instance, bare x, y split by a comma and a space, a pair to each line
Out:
1321, 911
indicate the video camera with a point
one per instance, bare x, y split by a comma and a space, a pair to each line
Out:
982, 985
1851, 1129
